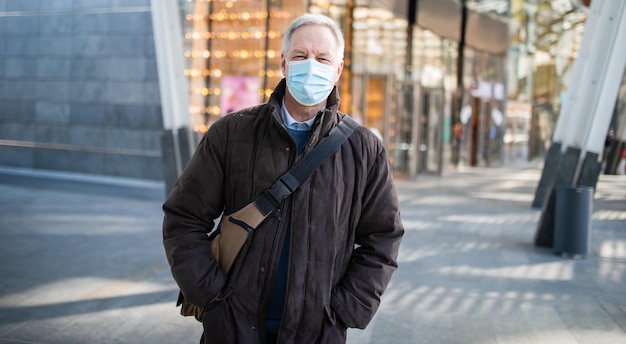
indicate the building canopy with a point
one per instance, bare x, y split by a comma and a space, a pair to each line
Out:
443, 17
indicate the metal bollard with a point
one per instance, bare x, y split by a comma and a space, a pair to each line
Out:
572, 221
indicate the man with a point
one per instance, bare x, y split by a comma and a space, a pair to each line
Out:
320, 263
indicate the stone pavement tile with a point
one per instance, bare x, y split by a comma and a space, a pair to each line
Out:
83, 262
544, 325
468, 257
590, 323
85, 266
616, 309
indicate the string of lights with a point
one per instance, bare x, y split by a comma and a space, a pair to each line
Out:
232, 43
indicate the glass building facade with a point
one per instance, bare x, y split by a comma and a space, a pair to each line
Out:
79, 88
402, 75
443, 82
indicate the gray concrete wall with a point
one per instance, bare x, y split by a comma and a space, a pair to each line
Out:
79, 87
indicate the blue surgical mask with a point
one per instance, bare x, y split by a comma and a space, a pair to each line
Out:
310, 82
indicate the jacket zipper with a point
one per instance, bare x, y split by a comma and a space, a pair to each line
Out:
276, 249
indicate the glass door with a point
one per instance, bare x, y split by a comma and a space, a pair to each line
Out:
430, 130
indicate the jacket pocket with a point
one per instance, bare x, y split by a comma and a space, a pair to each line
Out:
219, 323
330, 315
333, 331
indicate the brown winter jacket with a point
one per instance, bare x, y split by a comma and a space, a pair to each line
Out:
345, 228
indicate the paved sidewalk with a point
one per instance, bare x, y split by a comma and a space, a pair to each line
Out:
82, 262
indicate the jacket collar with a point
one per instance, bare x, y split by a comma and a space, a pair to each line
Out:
326, 118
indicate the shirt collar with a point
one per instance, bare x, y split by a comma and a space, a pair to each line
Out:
291, 123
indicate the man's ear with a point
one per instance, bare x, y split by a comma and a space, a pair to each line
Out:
283, 65
339, 70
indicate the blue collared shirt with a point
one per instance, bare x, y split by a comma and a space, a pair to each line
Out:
291, 123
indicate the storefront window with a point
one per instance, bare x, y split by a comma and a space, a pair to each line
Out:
233, 60
498, 8
233, 53
482, 116
375, 67
378, 60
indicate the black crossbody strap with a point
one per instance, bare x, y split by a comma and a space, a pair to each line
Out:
269, 200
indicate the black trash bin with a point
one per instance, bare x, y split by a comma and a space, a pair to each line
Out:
572, 221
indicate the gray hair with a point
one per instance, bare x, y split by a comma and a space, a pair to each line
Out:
315, 19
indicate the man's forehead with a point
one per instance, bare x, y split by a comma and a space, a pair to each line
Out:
311, 26
319, 41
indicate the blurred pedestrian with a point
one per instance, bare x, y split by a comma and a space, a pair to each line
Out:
621, 164
320, 263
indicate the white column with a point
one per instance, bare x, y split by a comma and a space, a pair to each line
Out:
594, 84
173, 84
569, 115
613, 62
